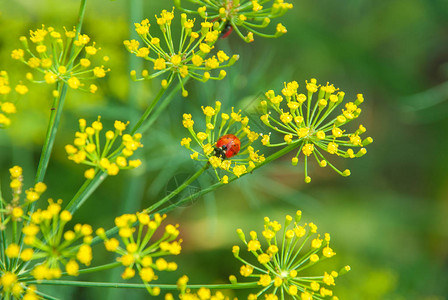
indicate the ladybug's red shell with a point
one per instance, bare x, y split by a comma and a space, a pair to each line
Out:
230, 144
226, 31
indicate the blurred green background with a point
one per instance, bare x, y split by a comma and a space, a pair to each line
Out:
388, 220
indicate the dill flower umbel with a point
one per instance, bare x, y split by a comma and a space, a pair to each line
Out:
47, 250
138, 252
60, 249
225, 144
13, 288
279, 265
192, 58
7, 107
15, 209
12, 217
314, 125
238, 15
89, 150
59, 57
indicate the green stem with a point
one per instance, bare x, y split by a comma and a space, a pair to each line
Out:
2, 232
27, 278
114, 230
45, 296
148, 111
55, 116
52, 129
56, 113
162, 107
219, 184
242, 285
134, 184
85, 191
213, 187
99, 268
179, 189
82, 11
89, 187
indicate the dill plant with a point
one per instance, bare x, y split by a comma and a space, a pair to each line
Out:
40, 246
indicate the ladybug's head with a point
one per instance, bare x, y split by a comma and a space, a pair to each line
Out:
226, 31
221, 152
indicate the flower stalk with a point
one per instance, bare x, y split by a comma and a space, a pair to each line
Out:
55, 117
150, 108
43, 245
217, 185
56, 110
142, 286
87, 189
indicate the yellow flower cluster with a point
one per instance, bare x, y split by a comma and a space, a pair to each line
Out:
88, 150
252, 15
12, 215
58, 247
280, 264
45, 241
313, 124
11, 286
6, 106
61, 57
191, 59
138, 252
236, 156
201, 294
14, 210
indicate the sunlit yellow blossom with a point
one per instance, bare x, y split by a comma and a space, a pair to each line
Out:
17, 54
315, 127
8, 280
21, 89
189, 60
72, 268
137, 255
19, 204
279, 270
53, 58
250, 16
12, 250
74, 82
57, 253
86, 141
228, 152
9, 95
246, 270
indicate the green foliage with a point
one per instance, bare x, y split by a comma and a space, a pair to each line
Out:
388, 220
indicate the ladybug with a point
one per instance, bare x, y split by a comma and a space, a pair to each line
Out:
227, 30
227, 146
